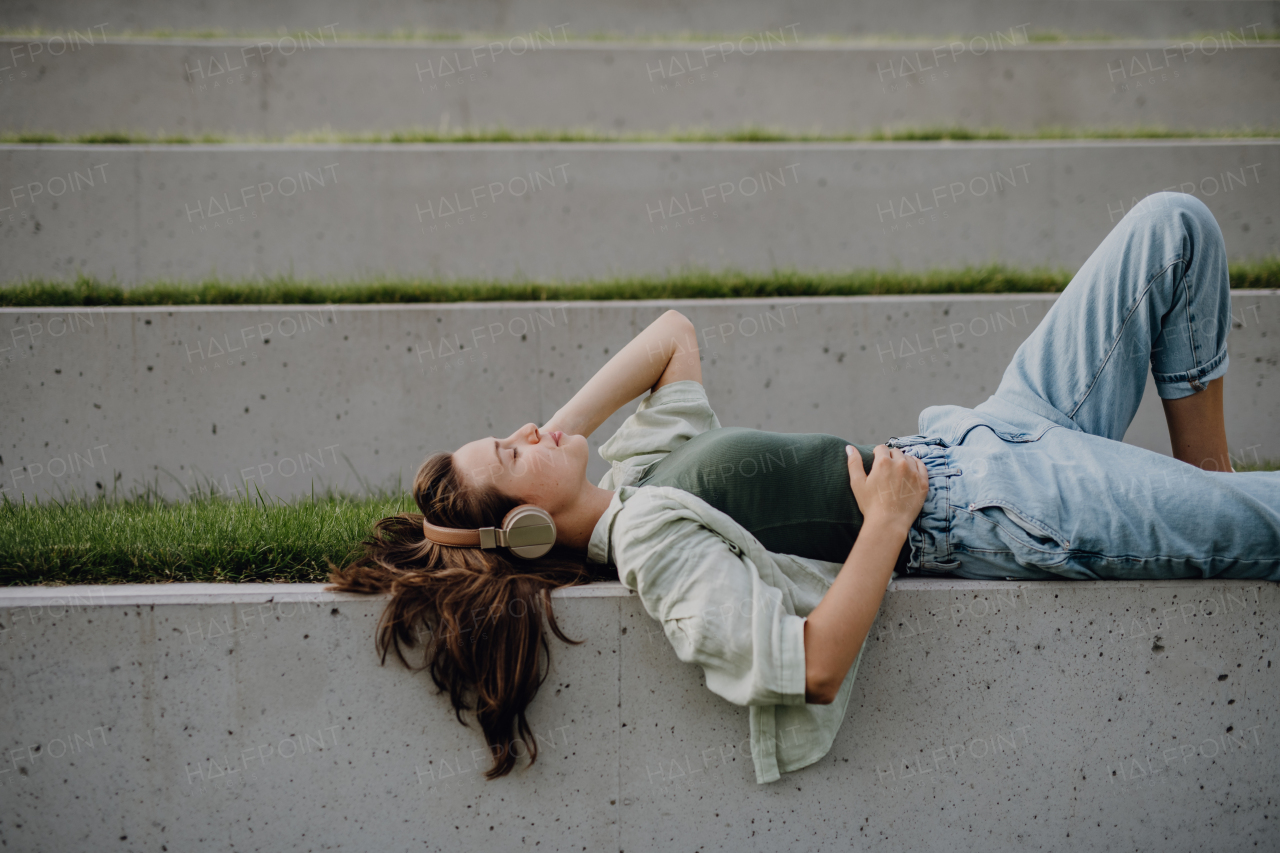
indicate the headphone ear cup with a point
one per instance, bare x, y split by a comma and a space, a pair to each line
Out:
531, 531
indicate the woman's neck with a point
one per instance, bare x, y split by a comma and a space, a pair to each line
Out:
575, 524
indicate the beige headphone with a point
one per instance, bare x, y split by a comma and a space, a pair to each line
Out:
527, 531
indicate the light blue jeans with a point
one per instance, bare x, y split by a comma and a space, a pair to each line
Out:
1036, 483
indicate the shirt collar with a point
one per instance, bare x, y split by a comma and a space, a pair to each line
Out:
598, 544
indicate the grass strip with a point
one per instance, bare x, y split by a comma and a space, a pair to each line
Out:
419, 135
693, 284
208, 540
211, 539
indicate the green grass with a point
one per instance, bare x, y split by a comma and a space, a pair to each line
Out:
694, 284
210, 539
587, 135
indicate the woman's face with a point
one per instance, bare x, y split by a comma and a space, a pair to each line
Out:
546, 469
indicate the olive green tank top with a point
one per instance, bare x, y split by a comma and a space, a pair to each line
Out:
790, 490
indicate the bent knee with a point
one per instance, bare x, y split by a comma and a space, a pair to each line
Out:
1180, 208
1182, 224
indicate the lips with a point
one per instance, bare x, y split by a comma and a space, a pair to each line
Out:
556, 436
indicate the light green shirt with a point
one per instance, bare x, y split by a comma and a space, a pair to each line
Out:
725, 603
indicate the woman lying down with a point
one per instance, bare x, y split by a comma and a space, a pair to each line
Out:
770, 578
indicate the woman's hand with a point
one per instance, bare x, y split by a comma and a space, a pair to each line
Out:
894, 492
890, 498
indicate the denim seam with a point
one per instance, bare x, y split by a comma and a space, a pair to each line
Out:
1191, 333
1055, 567
946, 542
1107, 360
1094, 555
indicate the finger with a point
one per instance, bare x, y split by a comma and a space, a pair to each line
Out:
895, 453
881, 451
857, 475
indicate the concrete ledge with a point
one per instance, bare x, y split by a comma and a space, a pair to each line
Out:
246, 86
1149, 18
52, 598
283, 399
137, 721
576, 211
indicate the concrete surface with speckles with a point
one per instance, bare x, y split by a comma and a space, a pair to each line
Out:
573, 211
985, 716
281, 399
632, 17
247, 86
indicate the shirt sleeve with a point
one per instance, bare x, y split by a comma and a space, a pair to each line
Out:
663, 421
712, 604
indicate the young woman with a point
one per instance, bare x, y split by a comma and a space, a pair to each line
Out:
765, 556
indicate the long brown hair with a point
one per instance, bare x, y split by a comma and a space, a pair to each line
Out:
478, 614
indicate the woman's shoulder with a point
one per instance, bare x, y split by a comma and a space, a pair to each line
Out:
661, 422
685, 398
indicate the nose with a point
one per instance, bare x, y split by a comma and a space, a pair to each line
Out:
529, 432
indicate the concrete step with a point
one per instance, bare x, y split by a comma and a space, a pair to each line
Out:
281, 398
1150, 18
179, 712
253, 87
598, 210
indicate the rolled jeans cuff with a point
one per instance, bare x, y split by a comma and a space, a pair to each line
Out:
1174, 386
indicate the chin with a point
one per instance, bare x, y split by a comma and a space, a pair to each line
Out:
580, 450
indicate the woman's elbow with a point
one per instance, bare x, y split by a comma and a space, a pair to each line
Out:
820, 684
819, 690
683, 323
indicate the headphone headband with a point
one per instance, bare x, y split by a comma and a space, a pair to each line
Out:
527, 531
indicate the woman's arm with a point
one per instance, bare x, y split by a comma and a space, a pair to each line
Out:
1198, 428
665, 352
890, 498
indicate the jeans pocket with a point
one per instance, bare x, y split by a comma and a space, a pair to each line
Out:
1022, 436
1032, 541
